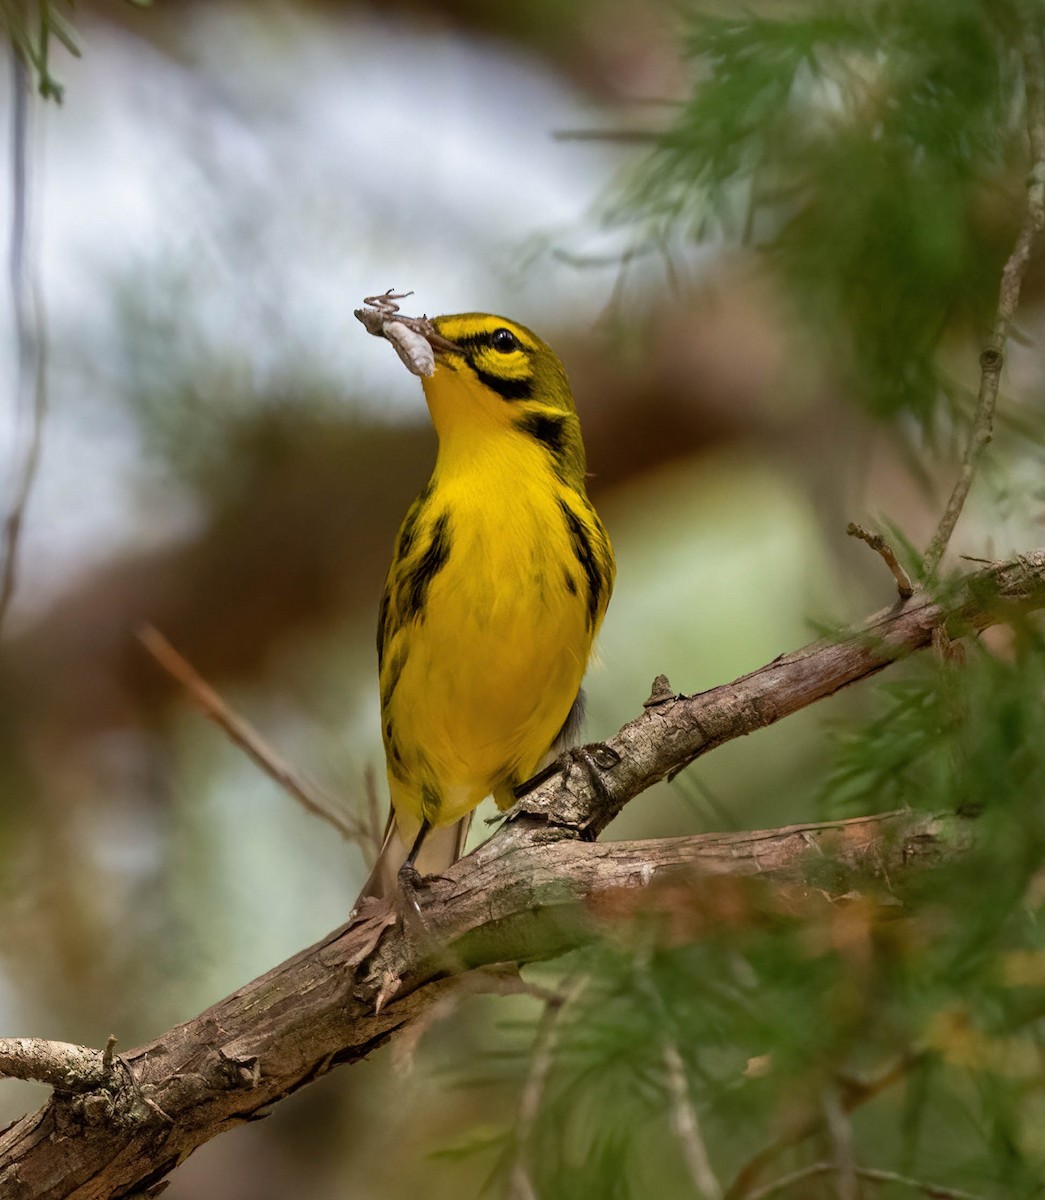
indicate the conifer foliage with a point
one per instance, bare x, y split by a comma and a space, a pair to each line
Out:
880, 161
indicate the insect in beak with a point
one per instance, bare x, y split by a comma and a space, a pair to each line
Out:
415, 339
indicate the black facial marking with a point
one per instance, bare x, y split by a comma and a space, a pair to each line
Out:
586, 557
428, 566
549, 431
510, 389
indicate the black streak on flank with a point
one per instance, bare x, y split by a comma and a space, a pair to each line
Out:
382, 625
391, 679
549, 431
586, 557
429, 565
510, 389
571, 583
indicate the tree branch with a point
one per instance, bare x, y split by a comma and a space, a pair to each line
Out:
993, 357
904, 586
61, 1064
308, 794
537, 888
673, 731
857, 1093
935, 1190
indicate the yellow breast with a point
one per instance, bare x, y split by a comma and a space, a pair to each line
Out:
486, 673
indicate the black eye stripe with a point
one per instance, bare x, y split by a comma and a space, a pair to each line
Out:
486, 341
508, 389
518, 388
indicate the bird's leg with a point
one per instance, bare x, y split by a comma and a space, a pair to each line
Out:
411, 881
410, 878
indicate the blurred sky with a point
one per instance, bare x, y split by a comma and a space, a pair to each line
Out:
253, 186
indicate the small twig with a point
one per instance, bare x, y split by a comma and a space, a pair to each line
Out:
62, 1065
520, 1186
109, 1054
993, 357
620, 136
856, 1093
685, 1123
30, 393
308, 794
686, 1126
841, 1132
878, 543
935, 1190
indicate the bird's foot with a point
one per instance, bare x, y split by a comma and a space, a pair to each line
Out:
569, 805
411, 882
411, 885
590, 760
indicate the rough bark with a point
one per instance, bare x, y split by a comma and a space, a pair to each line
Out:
538, 887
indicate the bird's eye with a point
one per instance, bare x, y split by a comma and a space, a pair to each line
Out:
504, 341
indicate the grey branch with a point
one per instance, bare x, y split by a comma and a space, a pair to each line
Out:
538, 887
63, 1065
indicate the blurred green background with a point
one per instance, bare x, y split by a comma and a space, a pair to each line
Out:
228, 455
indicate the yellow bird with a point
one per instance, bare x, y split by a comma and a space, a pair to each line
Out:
499, 581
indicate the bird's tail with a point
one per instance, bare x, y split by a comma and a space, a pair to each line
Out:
442, 847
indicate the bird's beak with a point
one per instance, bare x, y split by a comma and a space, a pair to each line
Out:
436, 340
416, 339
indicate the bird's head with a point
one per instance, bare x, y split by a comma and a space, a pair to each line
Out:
494, 376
